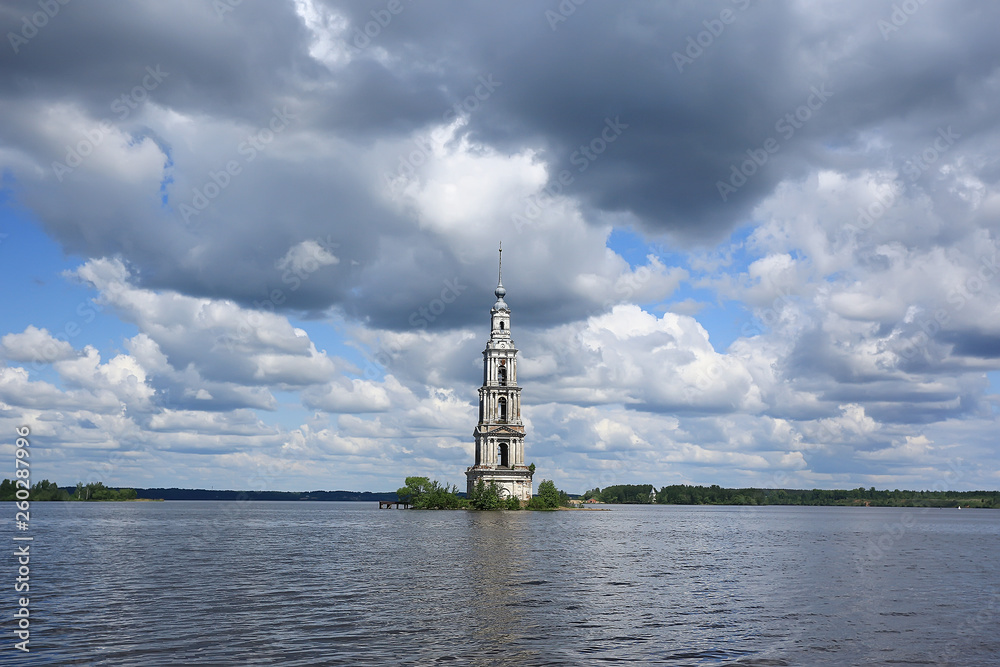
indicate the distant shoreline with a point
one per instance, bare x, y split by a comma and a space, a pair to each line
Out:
687, 495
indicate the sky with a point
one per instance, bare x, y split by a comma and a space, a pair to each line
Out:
253, 245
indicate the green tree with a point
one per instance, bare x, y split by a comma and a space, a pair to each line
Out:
97, 491
628, 493
46, 490
100, 492
423, 494
440, 497
486, 497
415, 487
548, 497
7, 490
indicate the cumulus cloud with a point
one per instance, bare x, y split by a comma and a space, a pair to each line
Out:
300, 235
633, 358
36, 346
219, 340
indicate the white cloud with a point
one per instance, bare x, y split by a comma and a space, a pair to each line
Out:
359, 396
218, 340
36, 346
306, 257
631, 357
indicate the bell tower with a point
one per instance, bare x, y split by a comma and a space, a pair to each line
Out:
500, 432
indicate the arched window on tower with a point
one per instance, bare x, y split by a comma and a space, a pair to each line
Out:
501, 325
502, 455
502, 405
502, 376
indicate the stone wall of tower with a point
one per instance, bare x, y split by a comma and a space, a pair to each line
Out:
512, 484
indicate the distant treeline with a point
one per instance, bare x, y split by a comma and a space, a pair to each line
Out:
209, 494
682, 494
677, 494
46, 490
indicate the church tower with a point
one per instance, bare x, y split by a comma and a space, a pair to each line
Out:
500, 432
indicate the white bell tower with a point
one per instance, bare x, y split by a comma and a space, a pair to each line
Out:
500, 432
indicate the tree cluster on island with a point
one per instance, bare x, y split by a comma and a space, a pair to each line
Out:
46, 490
426, 494
683, 494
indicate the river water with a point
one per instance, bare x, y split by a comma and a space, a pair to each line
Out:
187, 583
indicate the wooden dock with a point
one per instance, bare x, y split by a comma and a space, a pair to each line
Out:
392, 504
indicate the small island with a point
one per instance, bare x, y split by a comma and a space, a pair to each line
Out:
422, 493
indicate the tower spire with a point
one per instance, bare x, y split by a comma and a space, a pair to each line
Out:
500, 292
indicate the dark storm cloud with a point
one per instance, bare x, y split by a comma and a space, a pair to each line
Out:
974, 344
756, 80
605, 95
90, 53
371, 100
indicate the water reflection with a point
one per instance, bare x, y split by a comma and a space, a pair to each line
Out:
498, 618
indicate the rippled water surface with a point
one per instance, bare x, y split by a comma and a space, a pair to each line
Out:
348, 584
